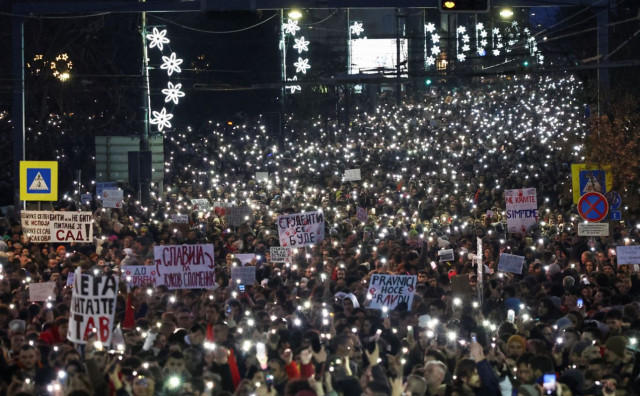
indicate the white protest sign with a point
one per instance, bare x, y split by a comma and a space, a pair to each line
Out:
93, 306
262, 176
301, 229
593, 229
41, 291
361, 213
352, 174
280, 254
628, 254
390, 290
139, 275
522, 209
112, 198
200, 204
180, 218
510, 263
243, 276
60, 227
234, 216
245, 258
86, 198
445, 255
185, 266
70, 277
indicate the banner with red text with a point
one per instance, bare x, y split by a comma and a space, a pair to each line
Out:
185, 266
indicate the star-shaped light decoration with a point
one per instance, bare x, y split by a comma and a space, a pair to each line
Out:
172, 93
171, 64
496, 31
431, 61
356, 28
157, 38
302, 65
435, 38
301, 45
496, 52
291, 27
430, 27
462, 29
162, 119
461, 57
465, 38
435, 50
466, 47
484, 43
293, 88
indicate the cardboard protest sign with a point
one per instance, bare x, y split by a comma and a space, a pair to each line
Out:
200, 204
352, 174
262, 176
179, 218
41, 291
281, 254
185, 266
510, 263
445, 255
60, 227
93, 306
390, 290
522, 209
112, 198
301, 229
243, 276
234, 216
361, 214
139, 275
101, 186
628, 254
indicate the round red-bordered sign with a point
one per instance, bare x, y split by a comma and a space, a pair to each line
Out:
593, 207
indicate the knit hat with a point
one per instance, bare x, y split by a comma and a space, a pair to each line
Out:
61, 247
528, 390
579, 347
617, 344
564, 323
519, 339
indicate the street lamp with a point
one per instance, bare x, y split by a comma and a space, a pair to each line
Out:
506, 13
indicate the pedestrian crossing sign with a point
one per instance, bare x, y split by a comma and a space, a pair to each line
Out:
39, 180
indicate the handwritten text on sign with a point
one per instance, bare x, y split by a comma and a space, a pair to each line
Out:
139, 275
61, 227
390, 290
301, 229
93, 305
185, 266
628, 254
243, 275
522, 209
280, 254
510, 263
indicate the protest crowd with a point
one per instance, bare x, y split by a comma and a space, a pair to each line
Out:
275, 269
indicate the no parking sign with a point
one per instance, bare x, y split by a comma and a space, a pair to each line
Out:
593, 207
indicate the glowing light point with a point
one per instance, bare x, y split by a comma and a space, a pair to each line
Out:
157, 39
172, 93
171, 64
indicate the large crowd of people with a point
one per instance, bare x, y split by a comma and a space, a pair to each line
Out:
432, 176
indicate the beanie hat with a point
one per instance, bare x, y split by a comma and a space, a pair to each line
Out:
616, 344
579, 347
61, 247
519, 339
564, 323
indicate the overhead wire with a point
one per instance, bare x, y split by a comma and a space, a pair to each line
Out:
213, 31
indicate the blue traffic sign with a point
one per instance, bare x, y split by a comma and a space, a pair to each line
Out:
593, 207
616, 215
614, 199
38, 180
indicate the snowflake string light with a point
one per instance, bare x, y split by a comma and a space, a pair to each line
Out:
431, 61
171, 64
172, 93
435, 38
462, 40
462, 29
430, 27
302, 65
293, 88
291, 27
461, 57
435, 50
301, 45
162, 119
157, 38
357, 28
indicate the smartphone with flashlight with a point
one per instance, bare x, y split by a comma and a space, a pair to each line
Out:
549, 383
580, 303
241, 288
474, 338
269, 381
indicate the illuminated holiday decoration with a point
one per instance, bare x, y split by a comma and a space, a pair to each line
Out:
496, 39
172, 92
161, 119
291, 27
462, 43
293, 88
357, 28
171, 64
301, 45
432, 45
481, 39
302, 65
157, 38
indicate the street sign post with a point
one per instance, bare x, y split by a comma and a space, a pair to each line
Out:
39, 180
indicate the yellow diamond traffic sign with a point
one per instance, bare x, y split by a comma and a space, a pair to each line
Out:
39, 180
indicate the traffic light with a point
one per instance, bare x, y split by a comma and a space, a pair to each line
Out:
461, 6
